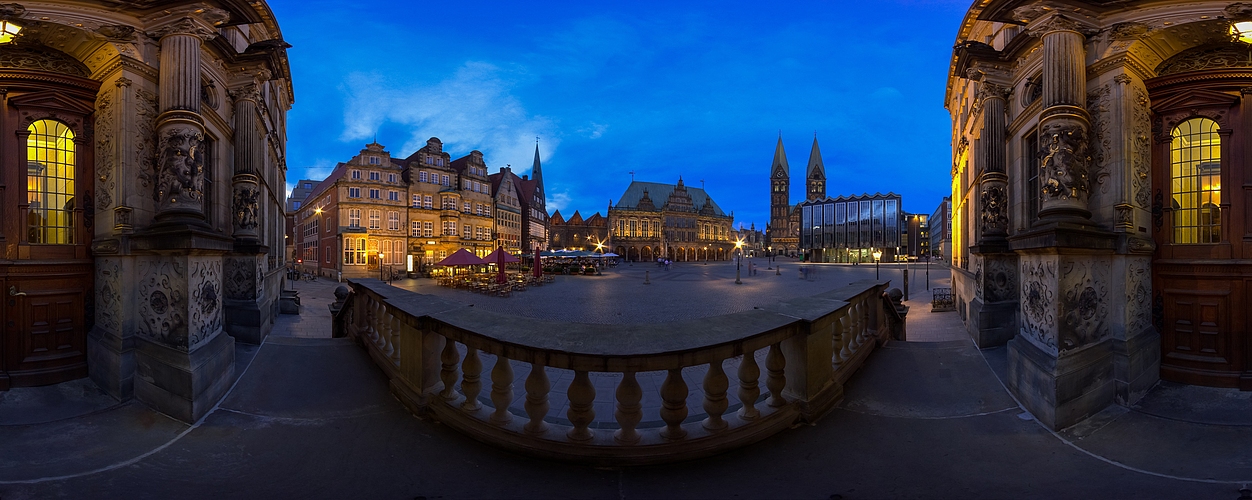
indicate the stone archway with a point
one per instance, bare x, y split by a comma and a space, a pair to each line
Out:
633, 254
647, 254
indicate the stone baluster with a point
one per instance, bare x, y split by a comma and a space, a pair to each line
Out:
845, 337
448, 359
674, 405
749, 386
384, 329
854, 314
629, 410
471, 379
396, 328
777, 379
715, 385
836, 339
536, 406
581, 411
501, 390
180, 128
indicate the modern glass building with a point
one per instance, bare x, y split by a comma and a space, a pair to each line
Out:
851, 229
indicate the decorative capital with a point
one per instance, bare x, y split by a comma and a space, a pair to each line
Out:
1123, 79
184, 26
247, 92
123, 82
989, 90
1057, 22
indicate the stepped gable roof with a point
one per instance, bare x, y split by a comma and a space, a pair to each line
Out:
658, 191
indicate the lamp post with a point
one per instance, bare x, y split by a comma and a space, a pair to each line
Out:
600, 264
380, 267
770, 262
738, 261
318, 237
877, 255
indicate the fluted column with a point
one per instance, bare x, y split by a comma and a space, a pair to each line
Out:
249, 155
993, 190
180, 129
1064, 127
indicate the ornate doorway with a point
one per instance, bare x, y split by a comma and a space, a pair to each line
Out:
46, 164
1202, 190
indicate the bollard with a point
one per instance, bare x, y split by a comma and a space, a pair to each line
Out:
645, 278
778, 271
906, 284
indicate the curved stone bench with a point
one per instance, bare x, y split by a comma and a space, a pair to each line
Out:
427, 345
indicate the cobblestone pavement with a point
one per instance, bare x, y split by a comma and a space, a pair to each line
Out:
688, 290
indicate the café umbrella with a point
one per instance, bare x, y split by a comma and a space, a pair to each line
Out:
500, 257
538, 271
461, 257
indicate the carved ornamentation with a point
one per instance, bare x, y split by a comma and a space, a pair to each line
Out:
109, 295
26, 57
117, 32
1000, 281
1058, 23
1239, 10
245, 207
1037, 302
1158, 211
1099, 106
1028, 13
89, 210
162, 302
181, 177
249, 92
17, 10
239, 280
1065, 161
1138, 295
104, 149
1128, 31
206, 299
1084, 308
1208, 57
995, 204
184, 26
121, 219
1141, 154
1124, 215
978, 284
145, 135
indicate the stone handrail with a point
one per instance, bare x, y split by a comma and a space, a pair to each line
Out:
814, 345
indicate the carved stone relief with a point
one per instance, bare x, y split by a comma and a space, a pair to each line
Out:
1084, 303
180, 181
1099, 105
240, 278
994, 202
26, 57
1065, 161
1000, 280
978, 277
109, 295
205, 307
1233, 55
145, 135
1037, 299
163, 301
1138, 295
245, 207
104, 149
1141, 156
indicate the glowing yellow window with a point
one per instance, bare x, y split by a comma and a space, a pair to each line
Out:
50, 183
1196, 181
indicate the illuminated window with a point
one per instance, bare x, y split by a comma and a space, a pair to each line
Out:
1195, 181
50, 183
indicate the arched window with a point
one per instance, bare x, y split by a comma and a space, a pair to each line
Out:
50, 183
1195, 181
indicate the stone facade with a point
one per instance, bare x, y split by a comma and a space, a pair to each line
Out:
1098, 222
590, 234
681, 224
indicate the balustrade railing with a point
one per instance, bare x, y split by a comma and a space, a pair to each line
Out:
648, 374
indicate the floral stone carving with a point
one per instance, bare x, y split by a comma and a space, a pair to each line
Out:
1066, 161
181, 178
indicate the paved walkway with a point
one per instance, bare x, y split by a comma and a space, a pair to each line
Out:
312, 418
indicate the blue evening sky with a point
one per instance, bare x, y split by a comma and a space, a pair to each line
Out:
663, 89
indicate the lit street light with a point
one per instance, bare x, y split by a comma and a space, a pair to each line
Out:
738, 261
877, 255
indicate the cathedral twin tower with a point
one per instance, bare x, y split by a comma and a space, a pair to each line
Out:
784, 218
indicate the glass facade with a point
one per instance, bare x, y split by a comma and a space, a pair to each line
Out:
849, 229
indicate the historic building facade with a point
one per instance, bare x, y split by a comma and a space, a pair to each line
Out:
915, 235
653, 220
509, 216
146, 177
576, 233
940, 223
527, 194
1100, 196
852, 228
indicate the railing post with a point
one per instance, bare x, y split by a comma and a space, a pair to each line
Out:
537, 387
715, 385
777, 378
629, 411
448, 359
471, 380
501, 390
674, 406
808, 355
749, 386
581, 412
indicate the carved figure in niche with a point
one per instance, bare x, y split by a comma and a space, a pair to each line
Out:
1065, 162
994, 208
245, 208
181, 178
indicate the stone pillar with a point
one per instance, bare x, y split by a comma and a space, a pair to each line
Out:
248, 158
180, 129
1064, 127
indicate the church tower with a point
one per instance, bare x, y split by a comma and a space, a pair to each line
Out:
815, 176
779, 195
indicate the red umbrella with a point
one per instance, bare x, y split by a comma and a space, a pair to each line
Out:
538, 266
499, 253
461, 257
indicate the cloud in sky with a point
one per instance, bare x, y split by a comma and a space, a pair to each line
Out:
473, 108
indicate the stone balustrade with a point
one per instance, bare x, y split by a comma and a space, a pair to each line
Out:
801, 350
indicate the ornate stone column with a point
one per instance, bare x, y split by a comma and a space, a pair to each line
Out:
248, 159
993, 197
1064, 126
180, 129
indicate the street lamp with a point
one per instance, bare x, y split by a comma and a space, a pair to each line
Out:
8, 30
770, 262
738, 260
380, 267
877, 255
600, 247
